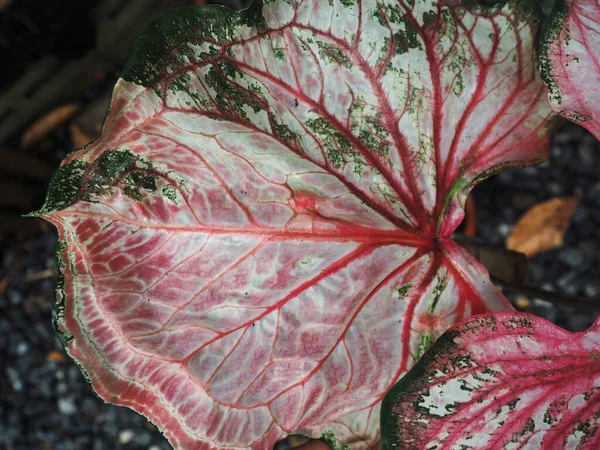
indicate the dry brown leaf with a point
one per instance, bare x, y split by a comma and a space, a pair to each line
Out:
46, 124
55, 356
78, 136
543, 226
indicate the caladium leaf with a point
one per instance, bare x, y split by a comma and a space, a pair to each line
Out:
506, 380
258, 242
571, 61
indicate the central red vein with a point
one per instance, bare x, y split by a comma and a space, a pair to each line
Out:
347, 234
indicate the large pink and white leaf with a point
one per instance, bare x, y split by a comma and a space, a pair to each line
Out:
500, 381
571, 61
258, 242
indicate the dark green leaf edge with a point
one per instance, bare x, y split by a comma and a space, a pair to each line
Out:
551, 33
410, 383
154, 51
163, 43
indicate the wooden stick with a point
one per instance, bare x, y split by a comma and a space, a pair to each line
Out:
501, 263
579, 303
46, 273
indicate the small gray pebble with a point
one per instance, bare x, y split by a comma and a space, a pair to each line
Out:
561, 137
531, 171
125, 436
555, 188
548, 287
98, 444
61, 388
568, 283
587, 154
66, 406
544, 309
22, 348
14, 297
74, 375
504, 229
592, 289
572, 256
15, 379
142, 438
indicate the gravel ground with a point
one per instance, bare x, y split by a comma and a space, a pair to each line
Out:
45, 403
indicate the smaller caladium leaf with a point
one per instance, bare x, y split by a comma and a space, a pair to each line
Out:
500, 381
571, 61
